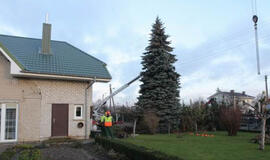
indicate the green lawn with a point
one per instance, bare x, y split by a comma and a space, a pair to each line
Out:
220, 147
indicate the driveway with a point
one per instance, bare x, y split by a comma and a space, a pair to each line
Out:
68, 151
88, 151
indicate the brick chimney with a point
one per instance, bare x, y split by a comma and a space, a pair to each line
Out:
46, 37
232, 91
244, 93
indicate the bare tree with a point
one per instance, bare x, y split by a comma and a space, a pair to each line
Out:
134, 127
261, 112
231, 118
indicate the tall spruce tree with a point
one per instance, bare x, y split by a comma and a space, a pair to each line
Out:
159, 91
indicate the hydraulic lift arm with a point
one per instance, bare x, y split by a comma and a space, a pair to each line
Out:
97, 108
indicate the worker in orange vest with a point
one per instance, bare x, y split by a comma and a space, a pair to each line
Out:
102, 119
108, 121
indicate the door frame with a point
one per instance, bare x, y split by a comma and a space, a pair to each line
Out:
3, 122
67, 119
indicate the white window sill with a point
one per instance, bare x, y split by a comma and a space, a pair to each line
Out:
8, 141
78, 119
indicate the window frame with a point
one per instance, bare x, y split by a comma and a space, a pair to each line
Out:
75, 111
3, 122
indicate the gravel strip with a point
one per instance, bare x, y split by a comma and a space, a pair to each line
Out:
66, 152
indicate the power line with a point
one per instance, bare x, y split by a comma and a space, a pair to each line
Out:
255, 6
226, 39
219, 42
218, 52
238, 34
252, 7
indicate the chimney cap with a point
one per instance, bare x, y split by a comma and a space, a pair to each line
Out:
47, 18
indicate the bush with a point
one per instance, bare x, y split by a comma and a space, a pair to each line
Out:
21, 147
122, 130
21, 152
151, 121
132, 151
116, 156
8, 154
30, 154
231, 117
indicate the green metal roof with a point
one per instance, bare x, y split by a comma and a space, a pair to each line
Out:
64, 59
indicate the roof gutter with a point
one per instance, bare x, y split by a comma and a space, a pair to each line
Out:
60, 77
86, 108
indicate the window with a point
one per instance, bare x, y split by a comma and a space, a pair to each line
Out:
8, 122
78, 113
10, 131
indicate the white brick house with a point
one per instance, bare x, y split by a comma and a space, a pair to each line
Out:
45, 88
233, 98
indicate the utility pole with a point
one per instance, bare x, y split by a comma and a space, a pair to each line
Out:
112, 105
266, 88
234, 101
255, 20
110, 86
111, 100
262, 115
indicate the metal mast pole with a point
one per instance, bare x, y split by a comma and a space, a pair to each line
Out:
255, 20
110, 90
266, 89
263, 114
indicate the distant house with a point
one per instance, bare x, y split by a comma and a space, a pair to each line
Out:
233, 98
45, 88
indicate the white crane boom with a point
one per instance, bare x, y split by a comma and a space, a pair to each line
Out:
103, 102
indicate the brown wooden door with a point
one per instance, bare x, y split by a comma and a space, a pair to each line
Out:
59, 119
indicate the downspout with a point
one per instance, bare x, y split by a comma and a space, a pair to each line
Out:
86, 107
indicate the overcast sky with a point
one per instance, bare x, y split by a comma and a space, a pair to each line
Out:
213, 39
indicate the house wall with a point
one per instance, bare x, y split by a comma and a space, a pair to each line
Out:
229, 99
238, 99
24, 93
62, 92
35, 98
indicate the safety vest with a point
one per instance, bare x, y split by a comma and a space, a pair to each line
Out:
102, 118
108, 121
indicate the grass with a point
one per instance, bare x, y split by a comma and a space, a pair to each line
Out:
219, 147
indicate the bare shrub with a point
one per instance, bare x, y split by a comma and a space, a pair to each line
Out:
230, 117
151, 120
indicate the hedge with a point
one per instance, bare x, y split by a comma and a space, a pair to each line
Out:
132, 151
21, 152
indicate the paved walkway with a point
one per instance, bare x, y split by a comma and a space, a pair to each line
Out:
65, 153
86, 151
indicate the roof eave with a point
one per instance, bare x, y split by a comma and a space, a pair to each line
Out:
10, 57
59, 77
